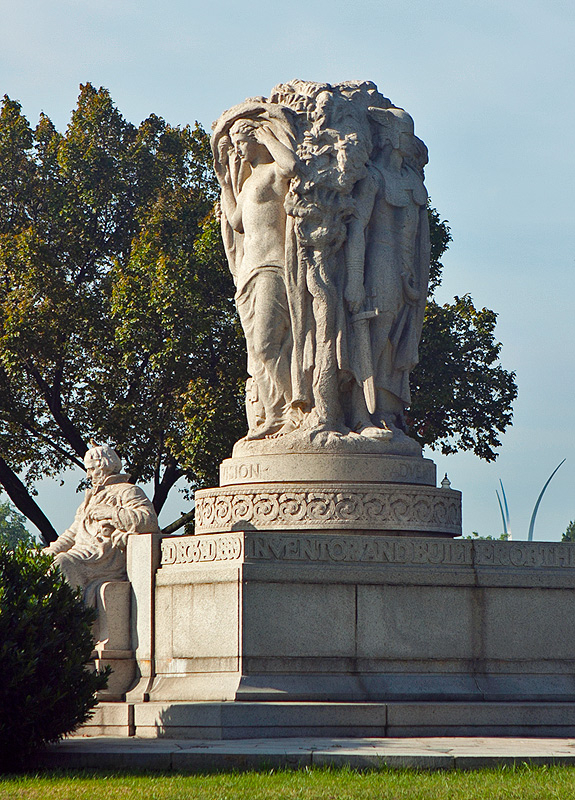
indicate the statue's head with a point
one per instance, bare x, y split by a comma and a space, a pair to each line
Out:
394, 126
242, 135
100, 462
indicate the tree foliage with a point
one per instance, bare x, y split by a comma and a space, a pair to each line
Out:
503, 537
12, 528
46, 690
116, 317
569, 535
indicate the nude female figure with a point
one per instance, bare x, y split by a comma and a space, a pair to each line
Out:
254, 209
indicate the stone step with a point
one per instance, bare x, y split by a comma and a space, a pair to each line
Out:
246, 720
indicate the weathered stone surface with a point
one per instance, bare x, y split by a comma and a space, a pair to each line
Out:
361, 735
311, 616
381, 507
112, 628
143, 558
324, 222
314, 468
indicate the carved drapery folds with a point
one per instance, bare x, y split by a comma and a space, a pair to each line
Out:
323, 213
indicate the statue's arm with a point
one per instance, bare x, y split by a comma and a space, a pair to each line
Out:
136, 513
133, 513
355, 247
230, 207
223, 169
66, 540
284, 158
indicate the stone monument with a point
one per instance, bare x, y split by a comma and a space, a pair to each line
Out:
91, 554
323, 587
324, 219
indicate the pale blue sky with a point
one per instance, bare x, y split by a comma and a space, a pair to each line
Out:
490, 86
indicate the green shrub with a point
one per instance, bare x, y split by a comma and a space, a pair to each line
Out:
46, 690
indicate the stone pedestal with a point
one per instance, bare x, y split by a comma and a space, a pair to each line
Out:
124, 629
315, 617
352, 492
113, 639
284, 591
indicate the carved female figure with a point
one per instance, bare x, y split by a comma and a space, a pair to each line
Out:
252, 200
324, 222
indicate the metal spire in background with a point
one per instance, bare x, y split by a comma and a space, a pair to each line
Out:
504, 515
535, 510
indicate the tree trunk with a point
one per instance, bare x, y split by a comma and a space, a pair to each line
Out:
25, 503
179, 523
171, 474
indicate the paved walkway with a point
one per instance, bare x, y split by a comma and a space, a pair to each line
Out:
191, 754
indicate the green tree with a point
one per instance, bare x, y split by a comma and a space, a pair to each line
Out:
116, 311
12, 528
569, 535
462, 396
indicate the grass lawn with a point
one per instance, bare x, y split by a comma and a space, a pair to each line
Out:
309, 784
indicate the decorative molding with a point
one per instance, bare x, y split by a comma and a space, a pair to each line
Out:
269, 507
340, 549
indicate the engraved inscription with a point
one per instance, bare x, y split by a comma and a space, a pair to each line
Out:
407, 472
515, 554
192, 549
241, 471
395, 470
363, 549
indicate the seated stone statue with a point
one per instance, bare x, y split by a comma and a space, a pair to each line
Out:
93, 549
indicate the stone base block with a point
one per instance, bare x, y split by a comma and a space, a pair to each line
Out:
112, 631
109, 719
258, 720
112, 628
123, 676
301, 617
314, 468
249, 720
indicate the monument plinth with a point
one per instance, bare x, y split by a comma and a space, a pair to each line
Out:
379, 494
346, 618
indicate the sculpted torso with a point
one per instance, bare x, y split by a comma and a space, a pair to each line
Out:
261, 218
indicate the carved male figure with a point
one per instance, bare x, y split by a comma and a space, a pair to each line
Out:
387, 256
93, 549
254, 208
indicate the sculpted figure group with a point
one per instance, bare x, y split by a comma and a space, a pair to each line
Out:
324, 221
